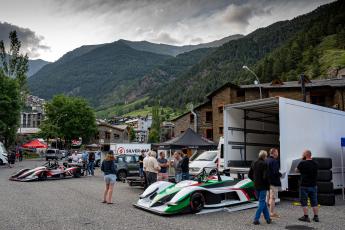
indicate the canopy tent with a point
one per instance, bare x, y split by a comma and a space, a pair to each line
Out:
35, 144
189, 140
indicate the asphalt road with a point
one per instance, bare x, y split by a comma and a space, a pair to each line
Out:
76, 204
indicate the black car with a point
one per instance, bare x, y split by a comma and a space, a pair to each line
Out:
127, 165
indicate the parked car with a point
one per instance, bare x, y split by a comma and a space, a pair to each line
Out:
3, 155
98, 155
127, 165
64, 153
53, 154
206, 159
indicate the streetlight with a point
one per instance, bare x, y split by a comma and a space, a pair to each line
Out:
57, 124
257, 81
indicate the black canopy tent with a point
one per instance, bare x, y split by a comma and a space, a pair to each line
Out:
187, 140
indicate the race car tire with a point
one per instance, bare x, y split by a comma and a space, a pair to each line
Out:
323, 163
42, 177
121, 175
1, 162
77, 174
325, 187
324, 175
326, 199
197, 202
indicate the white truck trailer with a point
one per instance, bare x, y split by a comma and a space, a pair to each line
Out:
289, 125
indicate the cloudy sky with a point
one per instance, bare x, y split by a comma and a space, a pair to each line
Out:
50, 28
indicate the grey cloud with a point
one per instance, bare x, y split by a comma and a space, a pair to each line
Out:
241, 14
31, 42
165, 38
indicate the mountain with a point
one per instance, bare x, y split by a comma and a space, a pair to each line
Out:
225, 63
176, 50
80, 70
35, 66
101, 74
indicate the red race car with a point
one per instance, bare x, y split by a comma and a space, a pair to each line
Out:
50, 169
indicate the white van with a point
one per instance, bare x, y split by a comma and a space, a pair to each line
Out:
3, 155
207, 159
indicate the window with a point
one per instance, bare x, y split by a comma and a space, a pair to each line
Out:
128, 159
116, 136
240, 93
220, 109
318, 100
97, 136
191, 118
209, 134
221, 130
209, 116
107, 135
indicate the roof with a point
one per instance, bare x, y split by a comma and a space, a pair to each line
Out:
199, 106
118, 127
189, 139
228, 84
334, 82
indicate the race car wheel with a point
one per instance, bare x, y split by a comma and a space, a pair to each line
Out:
42, 177
1, 162
197, 202
77, 174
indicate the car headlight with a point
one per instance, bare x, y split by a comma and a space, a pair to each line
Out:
194, 169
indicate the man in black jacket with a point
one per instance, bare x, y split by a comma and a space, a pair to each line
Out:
185, 166
258, 174
274, 179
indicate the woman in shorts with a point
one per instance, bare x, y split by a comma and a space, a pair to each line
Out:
109, 170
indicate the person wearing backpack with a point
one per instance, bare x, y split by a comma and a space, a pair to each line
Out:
91, 164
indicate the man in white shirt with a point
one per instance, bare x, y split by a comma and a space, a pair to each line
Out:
152, 168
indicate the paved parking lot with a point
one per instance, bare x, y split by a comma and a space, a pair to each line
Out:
76, 204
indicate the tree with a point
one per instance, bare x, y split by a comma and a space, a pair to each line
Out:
14, 64
132, 135
69, 118
9, 108
13, 68
156, 125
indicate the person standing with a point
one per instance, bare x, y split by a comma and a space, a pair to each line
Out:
146, 158
85, 158
163, 164
258, 174
109, 169
185, 166
176, 163
91, 164
308, 169
152, 168
274, 180
141, 163
20, 151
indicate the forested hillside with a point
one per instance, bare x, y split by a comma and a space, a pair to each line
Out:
225, 64
102, 75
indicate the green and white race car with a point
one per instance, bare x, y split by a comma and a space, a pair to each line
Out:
206, 192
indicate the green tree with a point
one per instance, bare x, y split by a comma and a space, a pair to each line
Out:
13, 68
69, 118
132, 135
14, 64
154, 135
9, 108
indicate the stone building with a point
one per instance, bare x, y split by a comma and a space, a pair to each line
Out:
110, 134
326, 92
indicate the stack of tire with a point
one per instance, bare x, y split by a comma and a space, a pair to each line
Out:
325, 191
